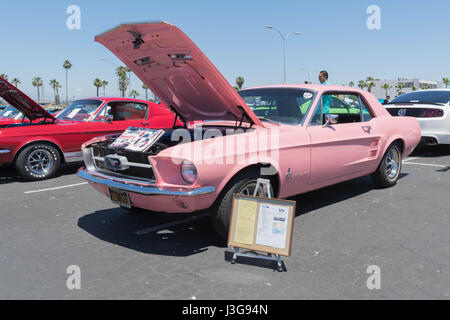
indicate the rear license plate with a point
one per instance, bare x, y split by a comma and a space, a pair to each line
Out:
121, 198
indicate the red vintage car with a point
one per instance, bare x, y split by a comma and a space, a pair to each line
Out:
38, 147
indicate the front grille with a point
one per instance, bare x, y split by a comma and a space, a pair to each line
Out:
135, 171
416, 112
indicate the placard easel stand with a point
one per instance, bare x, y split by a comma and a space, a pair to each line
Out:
253, 254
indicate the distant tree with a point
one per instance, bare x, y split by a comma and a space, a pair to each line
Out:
4, 76
98, 84
236, 88
400, 88
446, 81
67, 65
121, 72
414, 88
240, 82
146, 91
370, 84
104, 84
37, 83
426, 87
134, 94
362, 84
386, 87
351, 84
55, 86
16, 82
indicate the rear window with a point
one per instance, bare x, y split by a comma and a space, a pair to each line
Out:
440, 97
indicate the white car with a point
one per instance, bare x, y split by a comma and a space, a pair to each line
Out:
432, 110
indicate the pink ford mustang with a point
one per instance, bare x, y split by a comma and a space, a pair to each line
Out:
301, 137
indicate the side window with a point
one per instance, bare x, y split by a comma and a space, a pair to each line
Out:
348, 108
121, 111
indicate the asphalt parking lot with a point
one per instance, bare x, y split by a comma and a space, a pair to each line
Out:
339, 231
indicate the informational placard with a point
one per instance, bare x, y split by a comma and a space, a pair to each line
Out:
262, 224
137, 139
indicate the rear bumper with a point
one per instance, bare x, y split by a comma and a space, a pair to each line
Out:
433, 137
144, 189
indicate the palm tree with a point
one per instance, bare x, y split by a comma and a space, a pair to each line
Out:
134, 94
37, 82
400, 88
446, 81
240, 82
386, 87
362, 84
4, 76
67, 65
104, 84
351, 84
16, 82
123, 80
56, 85
146, 91
370, 84
98, 84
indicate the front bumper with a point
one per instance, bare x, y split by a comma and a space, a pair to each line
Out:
143, 189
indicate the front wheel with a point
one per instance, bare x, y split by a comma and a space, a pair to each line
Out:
389, 170
39, 161
242, 184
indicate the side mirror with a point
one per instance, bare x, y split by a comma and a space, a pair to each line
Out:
331, 119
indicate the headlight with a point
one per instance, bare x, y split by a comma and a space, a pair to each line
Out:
188, 171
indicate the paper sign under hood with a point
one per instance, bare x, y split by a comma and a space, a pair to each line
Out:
177, 71
19, 100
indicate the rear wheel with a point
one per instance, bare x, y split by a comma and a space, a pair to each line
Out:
389, 170
39, 161
245, 184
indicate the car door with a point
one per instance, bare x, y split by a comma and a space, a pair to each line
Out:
117, 116
346, 148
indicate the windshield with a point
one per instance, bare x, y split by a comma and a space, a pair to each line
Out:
80, 110
285, 105
440, 97
11, 113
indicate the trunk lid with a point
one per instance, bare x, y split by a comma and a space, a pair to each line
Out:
177, 71
19, 100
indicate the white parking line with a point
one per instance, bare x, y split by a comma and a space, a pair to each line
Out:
426, 164
56, 188
410, 159
170, 224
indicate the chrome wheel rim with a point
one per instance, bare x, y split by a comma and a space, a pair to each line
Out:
248, 189
393, 163
40, 162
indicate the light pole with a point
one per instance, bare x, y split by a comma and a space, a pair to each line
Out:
284, 38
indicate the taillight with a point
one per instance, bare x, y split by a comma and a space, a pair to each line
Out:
431, 113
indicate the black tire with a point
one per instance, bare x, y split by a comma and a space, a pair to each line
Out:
51, 162
390, 167
222, 209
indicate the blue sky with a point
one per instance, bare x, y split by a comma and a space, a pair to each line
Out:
413, 40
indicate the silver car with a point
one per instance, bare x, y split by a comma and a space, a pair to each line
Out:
432, 110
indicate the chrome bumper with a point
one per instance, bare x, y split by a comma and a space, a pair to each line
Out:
145, 190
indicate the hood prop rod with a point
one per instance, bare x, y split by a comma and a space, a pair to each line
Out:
177, 116
245, 115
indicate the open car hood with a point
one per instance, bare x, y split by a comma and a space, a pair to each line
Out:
177, 71
19, 100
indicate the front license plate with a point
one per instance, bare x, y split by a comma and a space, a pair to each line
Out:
121, 198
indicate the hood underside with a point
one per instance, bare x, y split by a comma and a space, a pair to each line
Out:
177, 71
19, 100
